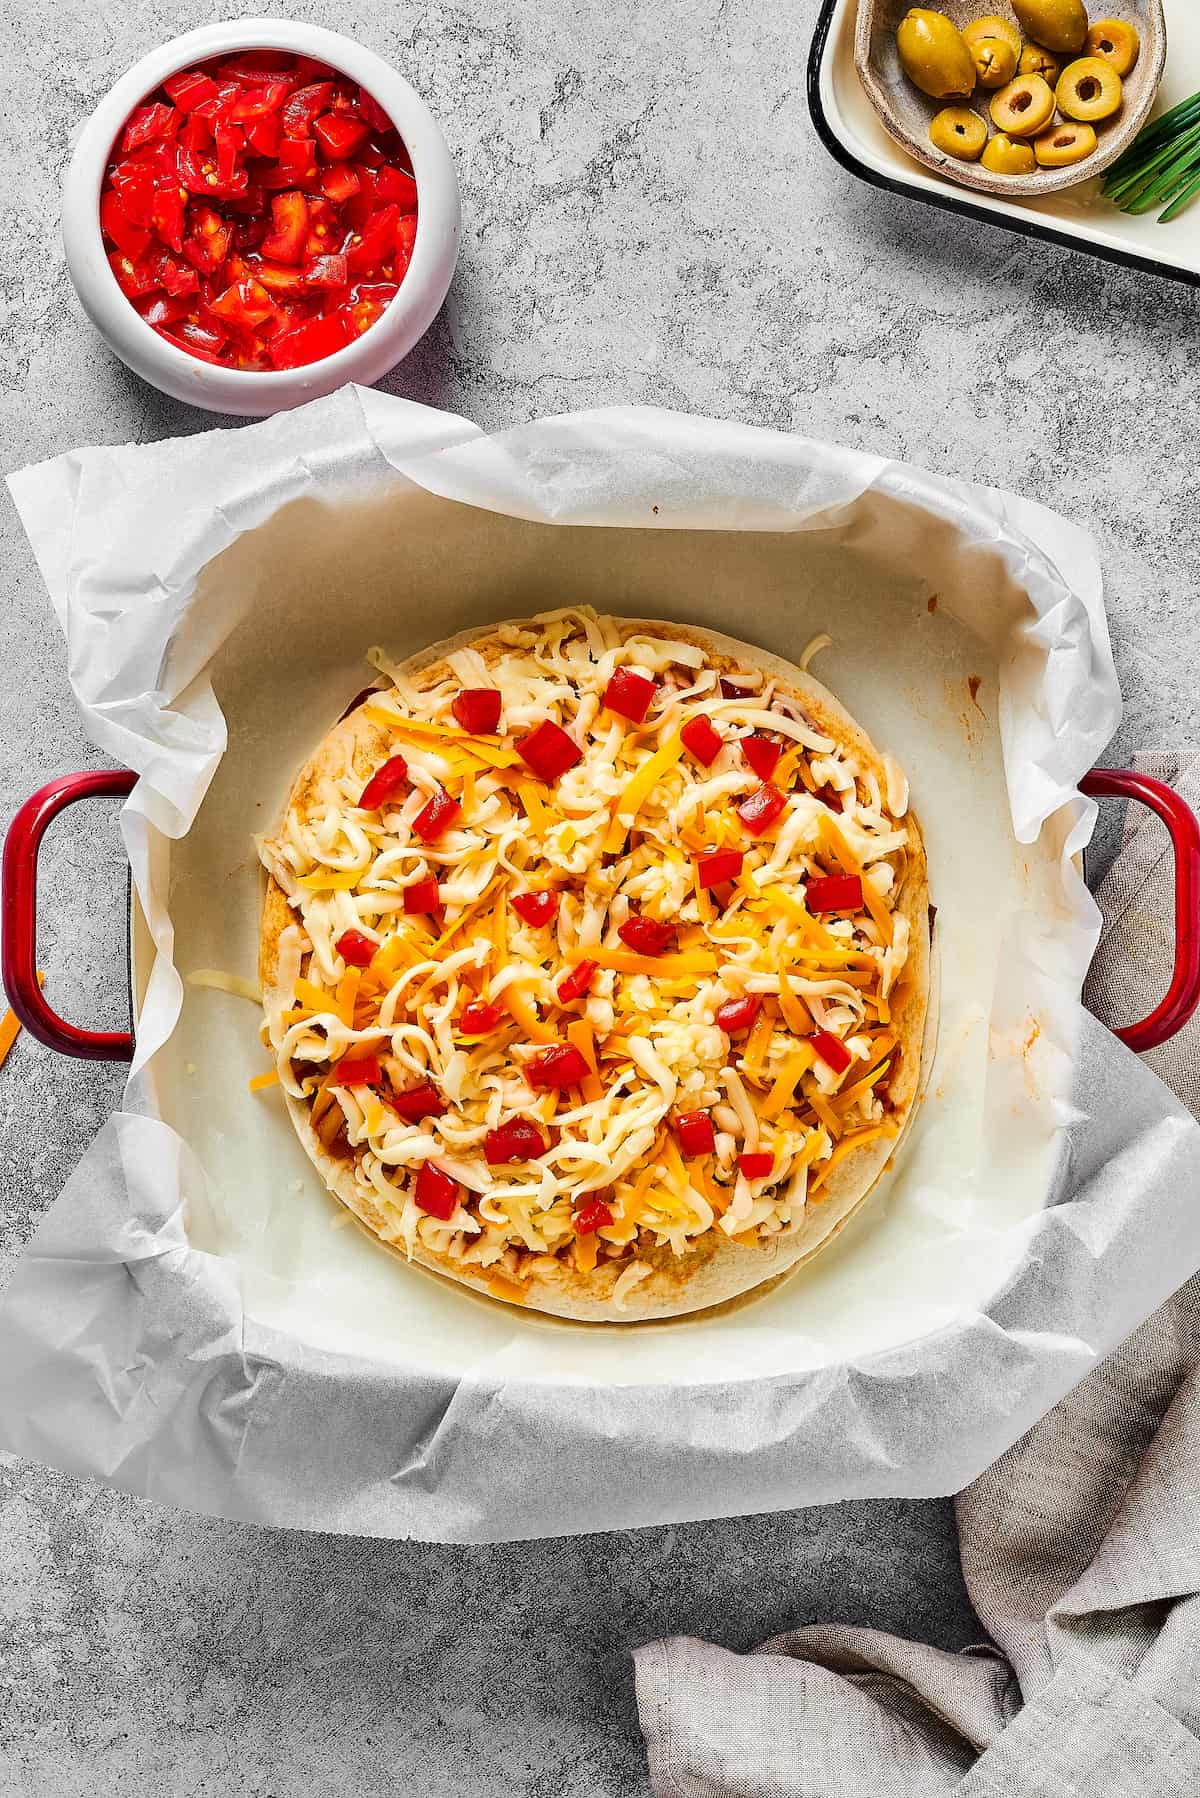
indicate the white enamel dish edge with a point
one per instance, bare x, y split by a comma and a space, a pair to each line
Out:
1078, 215
940, 1234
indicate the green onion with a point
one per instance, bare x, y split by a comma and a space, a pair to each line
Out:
1161, 167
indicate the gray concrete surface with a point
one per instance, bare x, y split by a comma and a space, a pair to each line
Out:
648, 217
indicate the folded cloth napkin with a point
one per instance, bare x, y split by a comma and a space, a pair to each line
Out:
1080, 1549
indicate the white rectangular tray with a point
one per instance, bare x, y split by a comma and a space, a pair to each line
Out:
1079, 217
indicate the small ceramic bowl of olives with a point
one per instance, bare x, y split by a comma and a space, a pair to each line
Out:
1020, 100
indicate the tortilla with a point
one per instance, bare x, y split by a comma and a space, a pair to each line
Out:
713, 1267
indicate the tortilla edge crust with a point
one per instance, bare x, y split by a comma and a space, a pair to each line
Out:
718, 1270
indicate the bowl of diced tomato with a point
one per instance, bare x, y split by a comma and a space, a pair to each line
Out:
259, 212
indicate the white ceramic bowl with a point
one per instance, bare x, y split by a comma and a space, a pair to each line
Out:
407, 318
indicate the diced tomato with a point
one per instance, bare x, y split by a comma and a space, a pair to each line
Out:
702, 739
736, 1016
259, 102
593, 1216
190, 345
832, 1050
575, 984
246, 305
161, 309
479, 1018
190, 88
715, 866
310, 342
370, 248
477, 709
217, 104
419, 1102
436, 1192
373, 112
135, 184
289, 215
167, 216
135, 279
175, 278
371, 303
132, 240
646, 936
436, 816
563, 1065
264, 135
535, 908
340, 182
756, 1165
230, 143
422, 896
629, 694
287, 282
208, 241
253, 66
548, 751
148, 123
760, 810
199, 338
357, 949
338, 137
835, 892
694, 1132
384, 784
302, 107
326, 271
360, 1070
393, 184
760, 755
298, 158
406, 237
520, 1140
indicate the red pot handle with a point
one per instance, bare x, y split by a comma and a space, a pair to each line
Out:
18, 916
1183, 994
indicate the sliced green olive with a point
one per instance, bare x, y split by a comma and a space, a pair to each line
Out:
992, 25
1064, 144
1024, 107
959, 132
1089, 89
1114, 40
1005, 157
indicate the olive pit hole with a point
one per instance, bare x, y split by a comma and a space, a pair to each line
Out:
1022, 102
1088, 88
1107, 45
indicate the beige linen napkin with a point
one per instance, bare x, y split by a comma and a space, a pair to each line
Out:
1080, 1549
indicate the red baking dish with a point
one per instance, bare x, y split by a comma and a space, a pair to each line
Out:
18, 909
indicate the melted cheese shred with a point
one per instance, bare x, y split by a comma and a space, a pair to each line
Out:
616, 836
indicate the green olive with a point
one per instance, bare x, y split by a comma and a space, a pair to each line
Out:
994, 60
1058, 24
992, 25
1036, 61
1117, 42
959, 132
1004, 157
1089, 89
1024, 107
1064, 144
934, 55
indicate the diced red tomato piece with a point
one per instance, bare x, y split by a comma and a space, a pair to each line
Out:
357, 949
190, 88
163, 309
132, 240
422, 896
259, 101
246, 305
520, 1140
563, 1065
281, 281
373, 112
297, 157
167, 212
370, 248
198, 339
702, 739
384, 784
393, 184
326, 271
135, 184
737, 1016
135, 279
575, 984
419, 1102
264, 135
831, 1049
479, 1018
761, 808
254, 66
208, 241
436, 816
694, 1132
230, 143
756, 1165
535, 908
148, 123
406, 237
760, 755
338, 137
835, 892
715, 866
629, 694
593, 1216
356, 1070
302, 107
289, 214
340, 182
477, 709
548, 751
175, 278
372, 301
646, 936
436, 1192
310, 342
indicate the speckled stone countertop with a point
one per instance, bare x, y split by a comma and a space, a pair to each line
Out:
649, 217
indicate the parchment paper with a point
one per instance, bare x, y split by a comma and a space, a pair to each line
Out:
188, 1321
